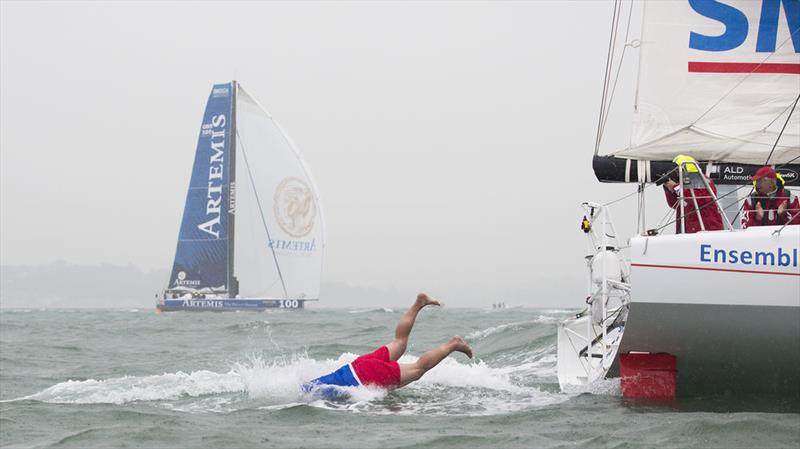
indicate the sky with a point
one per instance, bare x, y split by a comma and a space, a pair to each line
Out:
451, 142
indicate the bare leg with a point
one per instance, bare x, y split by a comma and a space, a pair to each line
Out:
398, 346
409, 372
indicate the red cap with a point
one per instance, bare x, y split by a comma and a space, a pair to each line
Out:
765, 172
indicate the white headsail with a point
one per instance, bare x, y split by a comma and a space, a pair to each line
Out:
280, 237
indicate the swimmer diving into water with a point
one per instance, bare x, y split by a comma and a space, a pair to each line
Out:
380, 368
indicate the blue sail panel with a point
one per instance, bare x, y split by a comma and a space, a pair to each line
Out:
201, 258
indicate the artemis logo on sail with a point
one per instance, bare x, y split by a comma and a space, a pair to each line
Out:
294, 245
215, 173
294, 207
736, 25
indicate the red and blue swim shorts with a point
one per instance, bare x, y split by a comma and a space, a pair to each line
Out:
376, 369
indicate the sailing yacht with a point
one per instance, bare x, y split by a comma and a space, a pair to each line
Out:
713, 312
252, 233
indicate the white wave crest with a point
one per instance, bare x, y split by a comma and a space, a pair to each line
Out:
378, 309
477, 374
451, 388
515, 326
276, 381
121, 390
479, 335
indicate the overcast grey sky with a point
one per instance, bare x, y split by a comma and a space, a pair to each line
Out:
451, 142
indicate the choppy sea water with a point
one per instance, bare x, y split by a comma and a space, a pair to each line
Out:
134, 378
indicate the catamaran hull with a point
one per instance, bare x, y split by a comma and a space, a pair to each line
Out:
726, 304
228, 305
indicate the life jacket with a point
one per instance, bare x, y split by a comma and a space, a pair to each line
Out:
767, 202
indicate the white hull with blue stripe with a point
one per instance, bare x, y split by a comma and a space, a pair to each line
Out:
228, 304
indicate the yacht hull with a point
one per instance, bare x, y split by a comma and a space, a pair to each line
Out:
726, 304
228, 304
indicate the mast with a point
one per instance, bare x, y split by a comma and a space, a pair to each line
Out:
233, 283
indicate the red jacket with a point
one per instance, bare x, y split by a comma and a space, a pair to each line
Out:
770, 205
712, 220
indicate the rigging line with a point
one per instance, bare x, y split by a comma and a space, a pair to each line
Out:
619, 70
664, 219
741, 208
261, 211
789, 106
606, 99
627, 195
621, 198
787, 163
782, 129
743, 79
606, 75
647, 185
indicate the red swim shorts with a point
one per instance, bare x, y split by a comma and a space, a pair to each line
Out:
376, 369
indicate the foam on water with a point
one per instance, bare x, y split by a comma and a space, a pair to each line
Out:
513, 326
510, 381
479, 335
188, 366
379, 310
276, 380
276, 383
602, 387
125, 389
451, 373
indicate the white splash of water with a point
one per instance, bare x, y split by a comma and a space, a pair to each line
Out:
125, 389
523, 380
451, 373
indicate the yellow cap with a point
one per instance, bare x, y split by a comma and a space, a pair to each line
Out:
687, 161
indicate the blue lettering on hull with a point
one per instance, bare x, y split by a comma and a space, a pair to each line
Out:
779, 258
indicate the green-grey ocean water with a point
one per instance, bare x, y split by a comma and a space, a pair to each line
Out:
134, 378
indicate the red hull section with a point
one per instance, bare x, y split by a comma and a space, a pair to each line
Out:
648, 375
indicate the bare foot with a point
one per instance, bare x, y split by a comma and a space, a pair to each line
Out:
461, 346
424, 300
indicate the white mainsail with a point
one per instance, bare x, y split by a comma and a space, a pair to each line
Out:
279, 227
717, 81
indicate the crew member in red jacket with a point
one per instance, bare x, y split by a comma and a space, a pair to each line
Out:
706, 209
769, 204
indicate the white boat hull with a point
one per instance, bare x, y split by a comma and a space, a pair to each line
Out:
733, 322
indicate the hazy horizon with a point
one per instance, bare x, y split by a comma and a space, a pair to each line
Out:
451, 142
64, 285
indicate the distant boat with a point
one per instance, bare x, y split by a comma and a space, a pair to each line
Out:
502, 305
252, 234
